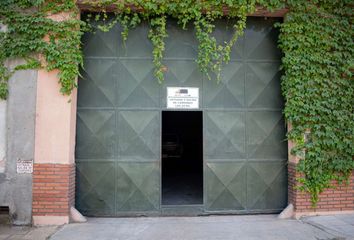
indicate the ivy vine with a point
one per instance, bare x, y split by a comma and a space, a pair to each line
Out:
316, 38
31, 34
317, 42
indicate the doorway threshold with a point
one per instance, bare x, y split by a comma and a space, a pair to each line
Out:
182, 210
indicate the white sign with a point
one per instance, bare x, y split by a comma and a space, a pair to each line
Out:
182, 98
24, 166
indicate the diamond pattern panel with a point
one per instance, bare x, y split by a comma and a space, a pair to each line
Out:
224, 135
266, 185
139, 135
138, 187
266, 135
182, 73
137, 86
225, 189
223, 32
101, 44
95, 135
118, 135
229, 93
138, 45
180, 43
261, 40
263, 85
98, 78
95, 187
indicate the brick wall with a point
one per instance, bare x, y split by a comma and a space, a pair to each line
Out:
340, 198
53, 189
54, 192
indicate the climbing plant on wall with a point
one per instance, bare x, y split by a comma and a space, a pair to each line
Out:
317, 42
316, 38
30, 33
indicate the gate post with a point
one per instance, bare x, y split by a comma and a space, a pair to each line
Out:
54, 160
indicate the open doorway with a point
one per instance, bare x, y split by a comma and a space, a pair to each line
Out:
182, 158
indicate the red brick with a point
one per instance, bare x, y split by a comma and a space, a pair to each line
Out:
332, 199
53, 189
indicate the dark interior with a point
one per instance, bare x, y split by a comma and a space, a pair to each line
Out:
182, 158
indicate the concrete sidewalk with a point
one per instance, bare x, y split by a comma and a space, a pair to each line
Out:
26, 233
338, 225
262, 227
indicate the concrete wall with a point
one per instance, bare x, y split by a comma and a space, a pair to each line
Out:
3, 116
16, 188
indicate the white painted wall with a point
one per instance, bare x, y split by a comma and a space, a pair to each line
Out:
2, 135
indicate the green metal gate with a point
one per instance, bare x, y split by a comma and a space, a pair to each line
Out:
118, 142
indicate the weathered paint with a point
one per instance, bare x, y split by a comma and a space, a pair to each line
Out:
16, 189
54, 144
55, 132
55, 121
2, 135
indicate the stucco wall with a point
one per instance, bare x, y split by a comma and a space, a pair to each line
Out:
15, 188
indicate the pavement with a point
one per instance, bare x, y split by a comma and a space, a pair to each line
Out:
264, 227
338, 225
26, 233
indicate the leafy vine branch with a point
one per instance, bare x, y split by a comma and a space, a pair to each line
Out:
316, 38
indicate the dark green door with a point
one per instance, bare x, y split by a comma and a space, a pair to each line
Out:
245, 148
119, 123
